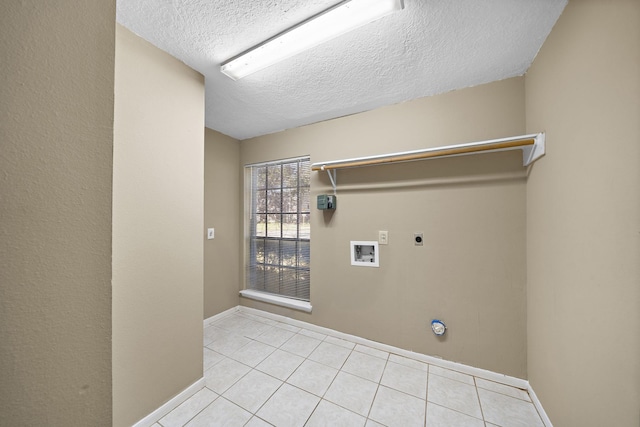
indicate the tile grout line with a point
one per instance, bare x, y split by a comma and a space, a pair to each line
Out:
255, 414
475, 384
426, 396
386, 362
459, 412
198, 413
312, 412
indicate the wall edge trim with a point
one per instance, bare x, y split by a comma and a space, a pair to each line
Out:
538, 405
171, 404
206, 322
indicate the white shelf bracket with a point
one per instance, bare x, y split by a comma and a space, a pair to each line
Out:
531, 153
334, 179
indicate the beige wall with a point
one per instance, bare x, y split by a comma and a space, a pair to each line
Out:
471, 270
56, 142
583, 217
222, 212
157, 228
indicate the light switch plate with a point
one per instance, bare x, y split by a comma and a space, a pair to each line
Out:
210, 233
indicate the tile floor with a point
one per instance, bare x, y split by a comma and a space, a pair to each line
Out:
260, 372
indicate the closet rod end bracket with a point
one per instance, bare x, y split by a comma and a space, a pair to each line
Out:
533, 152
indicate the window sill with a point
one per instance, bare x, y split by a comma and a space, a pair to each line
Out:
277, 300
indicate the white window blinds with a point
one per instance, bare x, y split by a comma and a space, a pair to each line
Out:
279, 229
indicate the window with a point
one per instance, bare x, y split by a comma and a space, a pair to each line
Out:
279, 228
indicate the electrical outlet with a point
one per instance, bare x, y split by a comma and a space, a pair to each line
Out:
383, 237
418, 240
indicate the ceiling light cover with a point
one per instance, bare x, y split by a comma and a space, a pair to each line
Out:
333, 22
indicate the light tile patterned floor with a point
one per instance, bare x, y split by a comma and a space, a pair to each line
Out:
260, 372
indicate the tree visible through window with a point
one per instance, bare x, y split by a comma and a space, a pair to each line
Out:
279, 228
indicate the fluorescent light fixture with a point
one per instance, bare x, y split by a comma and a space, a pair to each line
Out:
333, 22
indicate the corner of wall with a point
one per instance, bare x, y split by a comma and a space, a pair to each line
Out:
583, 242
222, 212
158, 192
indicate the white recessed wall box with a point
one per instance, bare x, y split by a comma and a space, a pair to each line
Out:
365, 254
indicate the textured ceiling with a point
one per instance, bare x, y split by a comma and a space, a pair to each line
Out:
430, 47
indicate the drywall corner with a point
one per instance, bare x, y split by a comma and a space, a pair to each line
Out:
158, 181
222, 201
583, 216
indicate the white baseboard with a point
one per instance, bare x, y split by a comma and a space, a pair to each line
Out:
172, 404
454, 366
186, 393
538, 405
219, 316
